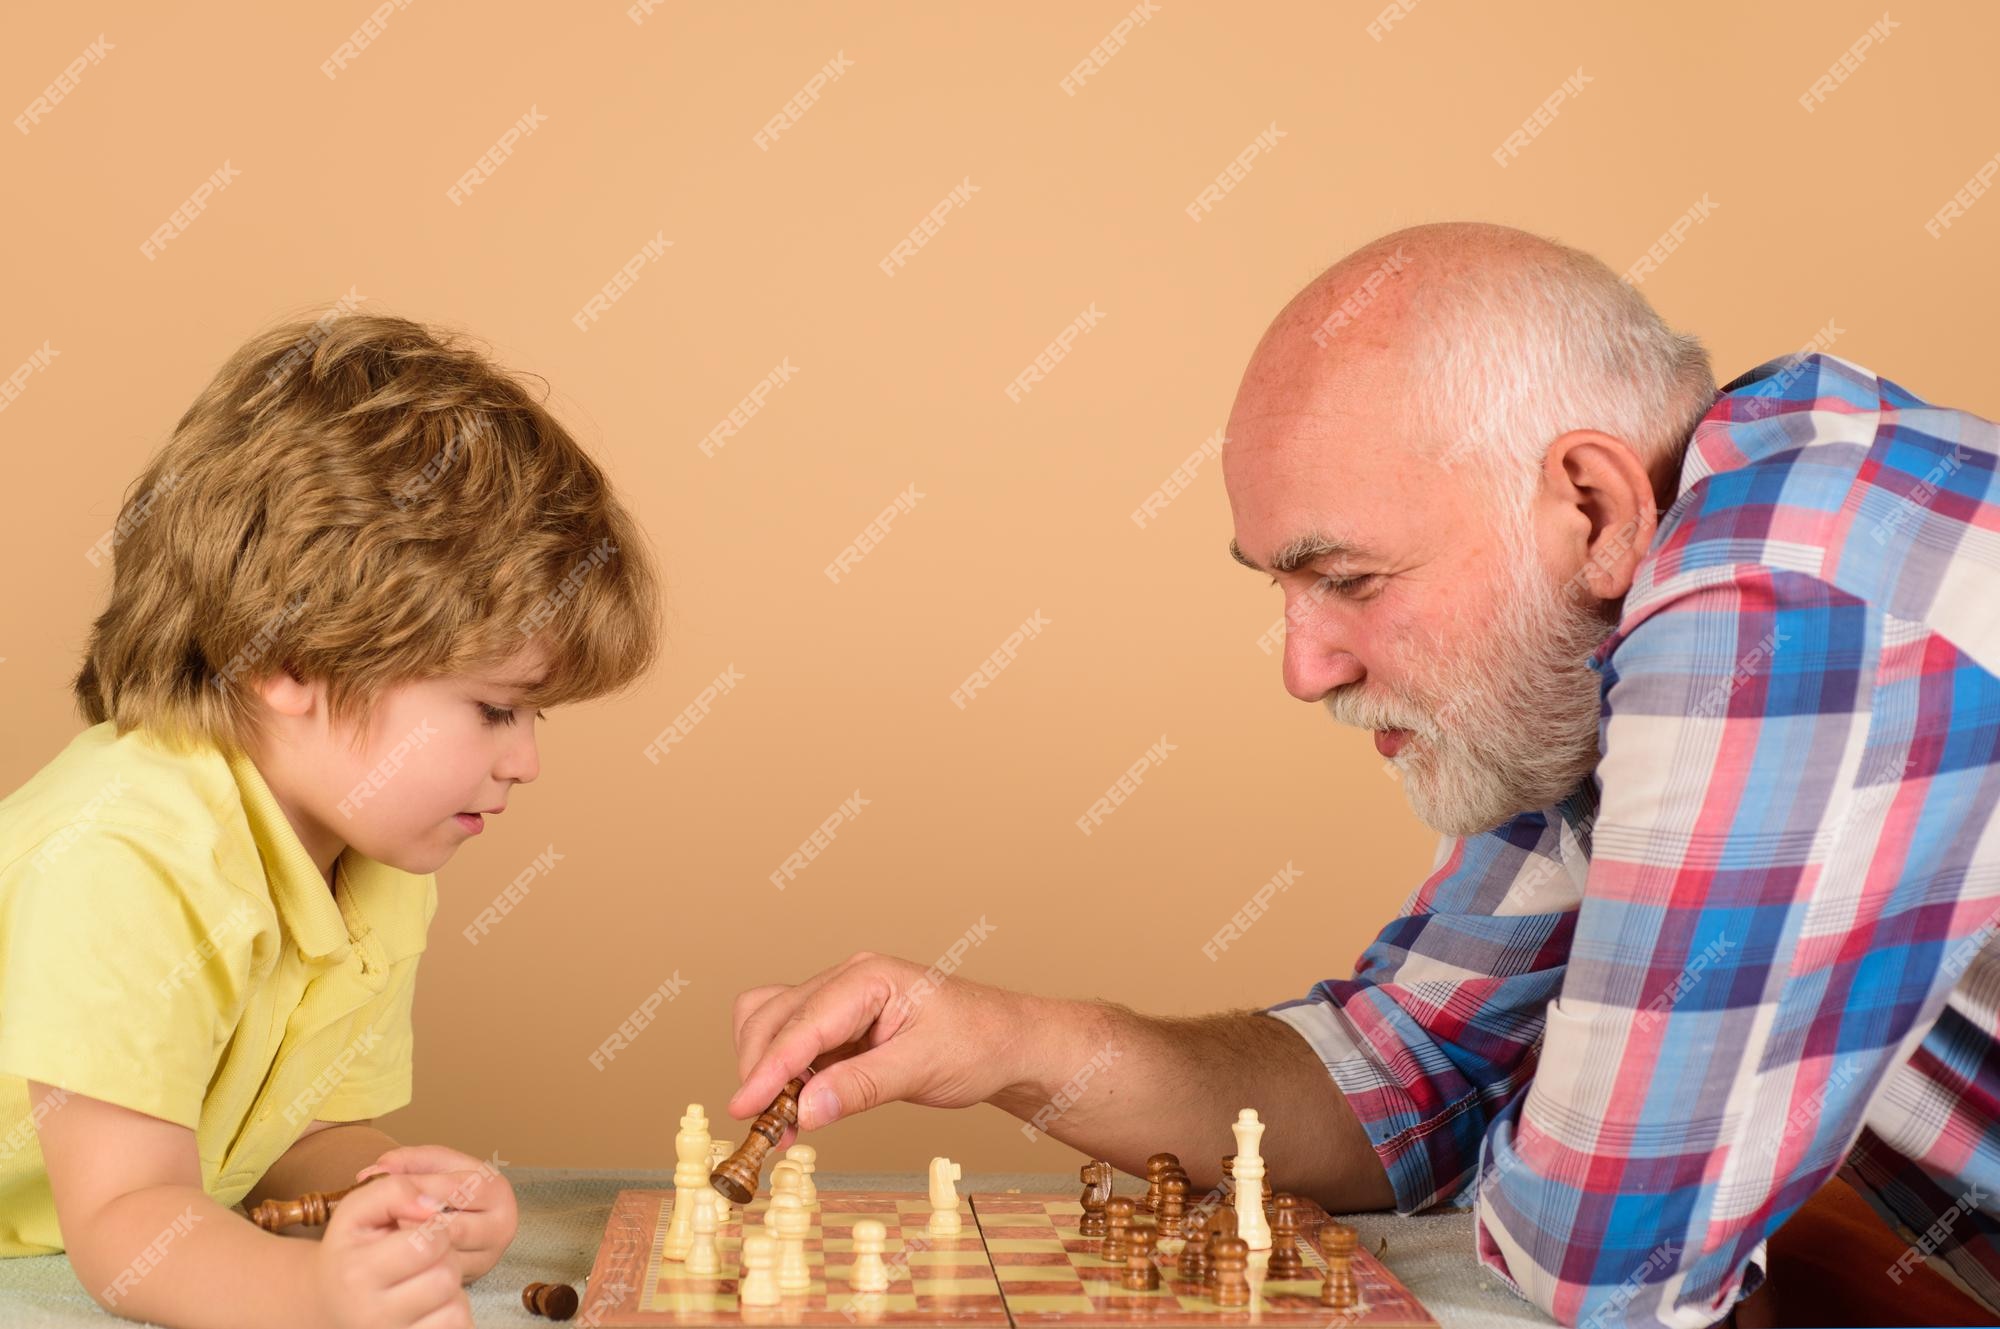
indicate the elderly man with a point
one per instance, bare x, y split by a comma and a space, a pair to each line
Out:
1701, 689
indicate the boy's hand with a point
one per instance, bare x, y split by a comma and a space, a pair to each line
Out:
484, 1224
385, 1260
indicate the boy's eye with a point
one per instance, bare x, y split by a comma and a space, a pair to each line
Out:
502, 714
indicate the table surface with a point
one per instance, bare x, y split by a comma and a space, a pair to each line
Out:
563, 1213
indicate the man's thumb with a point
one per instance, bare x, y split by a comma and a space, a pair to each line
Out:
853, 1085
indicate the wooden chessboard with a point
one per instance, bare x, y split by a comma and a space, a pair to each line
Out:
1017, 1260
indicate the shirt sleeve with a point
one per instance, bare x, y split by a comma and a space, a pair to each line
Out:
1759, 944
1438, 1028
126, 960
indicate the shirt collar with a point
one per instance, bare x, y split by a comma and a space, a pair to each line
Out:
373, 897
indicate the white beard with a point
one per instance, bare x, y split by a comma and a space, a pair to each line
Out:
1511, 722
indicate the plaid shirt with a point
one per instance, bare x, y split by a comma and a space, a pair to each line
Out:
1637, 1030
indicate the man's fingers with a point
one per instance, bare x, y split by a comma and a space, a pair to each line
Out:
756, 1028
855, 1084
835, 1015
747, 1004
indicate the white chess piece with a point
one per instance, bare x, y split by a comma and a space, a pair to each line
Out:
785, 1176
944, 1197
869, 1274
807, 1158
1251, 1224
794, 1272
759, 1287
718, 1154
704, 1260
690, 1176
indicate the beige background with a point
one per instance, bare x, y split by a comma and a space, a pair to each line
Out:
1026, 506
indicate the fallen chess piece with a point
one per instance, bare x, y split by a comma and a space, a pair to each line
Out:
552, 1301
312, 1209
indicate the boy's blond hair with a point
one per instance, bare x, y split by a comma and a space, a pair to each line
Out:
366, 501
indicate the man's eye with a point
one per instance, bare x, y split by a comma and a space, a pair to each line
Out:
1352, 587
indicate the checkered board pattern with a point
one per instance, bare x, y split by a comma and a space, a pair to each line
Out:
1017, 1261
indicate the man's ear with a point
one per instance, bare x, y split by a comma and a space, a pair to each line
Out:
1604, 506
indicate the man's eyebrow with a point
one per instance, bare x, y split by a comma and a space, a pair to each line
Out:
1301, 551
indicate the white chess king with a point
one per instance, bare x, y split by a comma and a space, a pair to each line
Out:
1251, 1225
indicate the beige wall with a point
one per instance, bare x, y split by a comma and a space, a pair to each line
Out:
1818, 216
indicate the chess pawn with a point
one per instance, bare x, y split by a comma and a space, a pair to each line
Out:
718, 1150
1096, 1178
759, 1287
869, 1274
1339, 1291
807, 1158
1231, 1258
1141, 1273
1117, 1227
1173, 1207
1158, 1168
1251, 1225
794, 1271
785, 1175
1286, 1262
703, 1259
1193, 1266
690, 1176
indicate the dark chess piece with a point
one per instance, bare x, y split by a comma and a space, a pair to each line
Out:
1118, 1227
1286, 1262
1096, 1178
1339, 1291
1231, 1258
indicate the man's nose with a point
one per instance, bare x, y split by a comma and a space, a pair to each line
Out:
1316, 661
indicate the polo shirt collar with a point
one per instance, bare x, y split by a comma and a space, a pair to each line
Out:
299, 892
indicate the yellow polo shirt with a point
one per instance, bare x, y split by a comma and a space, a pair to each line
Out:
166, 944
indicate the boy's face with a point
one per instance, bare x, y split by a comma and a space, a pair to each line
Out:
433, 752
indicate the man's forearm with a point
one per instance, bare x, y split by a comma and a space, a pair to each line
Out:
325, 1160
172, 1255
1121, 1086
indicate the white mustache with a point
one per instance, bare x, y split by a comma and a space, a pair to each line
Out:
1364, 712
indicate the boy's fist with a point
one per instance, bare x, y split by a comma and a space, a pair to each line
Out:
486, 1215
385, 1260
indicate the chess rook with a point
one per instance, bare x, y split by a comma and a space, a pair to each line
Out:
1339, 1292
737, 1177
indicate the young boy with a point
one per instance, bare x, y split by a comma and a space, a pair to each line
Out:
341, 594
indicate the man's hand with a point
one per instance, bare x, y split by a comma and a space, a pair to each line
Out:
878, 1031
486, 1216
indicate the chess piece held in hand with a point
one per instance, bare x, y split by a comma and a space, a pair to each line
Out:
312, 1209
738, 1175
